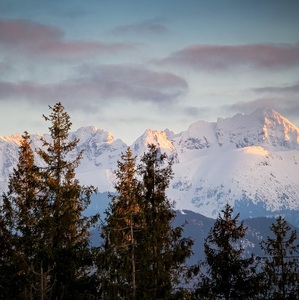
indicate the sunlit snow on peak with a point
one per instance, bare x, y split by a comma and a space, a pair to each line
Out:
246, 160
256, 150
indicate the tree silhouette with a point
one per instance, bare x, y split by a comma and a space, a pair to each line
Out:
143, 253
123, 221
70, 257
47, 253
281, 268
227, 275
22, 226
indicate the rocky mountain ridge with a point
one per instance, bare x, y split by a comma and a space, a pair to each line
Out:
250, 161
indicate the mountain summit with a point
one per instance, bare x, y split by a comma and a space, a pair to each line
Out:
250, 161
264, 127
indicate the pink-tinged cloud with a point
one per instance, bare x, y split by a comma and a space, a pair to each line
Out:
78, 48
20, 32
221, 58
38, 40
102, 85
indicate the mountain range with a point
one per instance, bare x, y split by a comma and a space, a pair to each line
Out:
250, 161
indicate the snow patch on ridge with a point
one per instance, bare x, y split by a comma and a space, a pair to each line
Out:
251, 161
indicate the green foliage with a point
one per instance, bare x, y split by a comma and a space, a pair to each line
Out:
46, 253
227, 274
281, 269
163, 249
143, 253
118, 259
23, 226
69, 258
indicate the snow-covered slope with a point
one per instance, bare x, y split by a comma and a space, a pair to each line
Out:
250, 161
101, 152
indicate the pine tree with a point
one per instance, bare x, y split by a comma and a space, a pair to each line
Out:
143, 252
227, 275
281, 268
22, 232
119, 232
69, 259
46, 251
162, 248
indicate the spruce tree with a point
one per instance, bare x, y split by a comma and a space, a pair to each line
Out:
69, 258
161, 250
21, 230
143, 252
46, 251
123, 221
162, 246
226, 274
281, 268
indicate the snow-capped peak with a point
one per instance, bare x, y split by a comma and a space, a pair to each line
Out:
14, 138
91, 132
170, 133
279, 126
250, 161
156, 137
264, 127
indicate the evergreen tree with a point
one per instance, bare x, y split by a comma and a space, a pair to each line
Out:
143, 252
119, 232
69, 258
45, 252
227, 275
21, 228
164, 250
281, 268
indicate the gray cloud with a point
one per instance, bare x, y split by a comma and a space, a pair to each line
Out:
101, 85
284, 99
199, 113
225, 57
37, 40
290, 89
136, 82
285, 106
152, 26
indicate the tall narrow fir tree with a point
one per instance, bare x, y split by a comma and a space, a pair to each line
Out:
281, 269
24, 208
70, 257
123, 221
162, 250
227, 275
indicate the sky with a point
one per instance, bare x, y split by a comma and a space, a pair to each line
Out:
125, 66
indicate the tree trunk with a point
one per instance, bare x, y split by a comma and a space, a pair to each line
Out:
133, 262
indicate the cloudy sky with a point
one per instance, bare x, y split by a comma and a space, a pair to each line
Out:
125, 66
